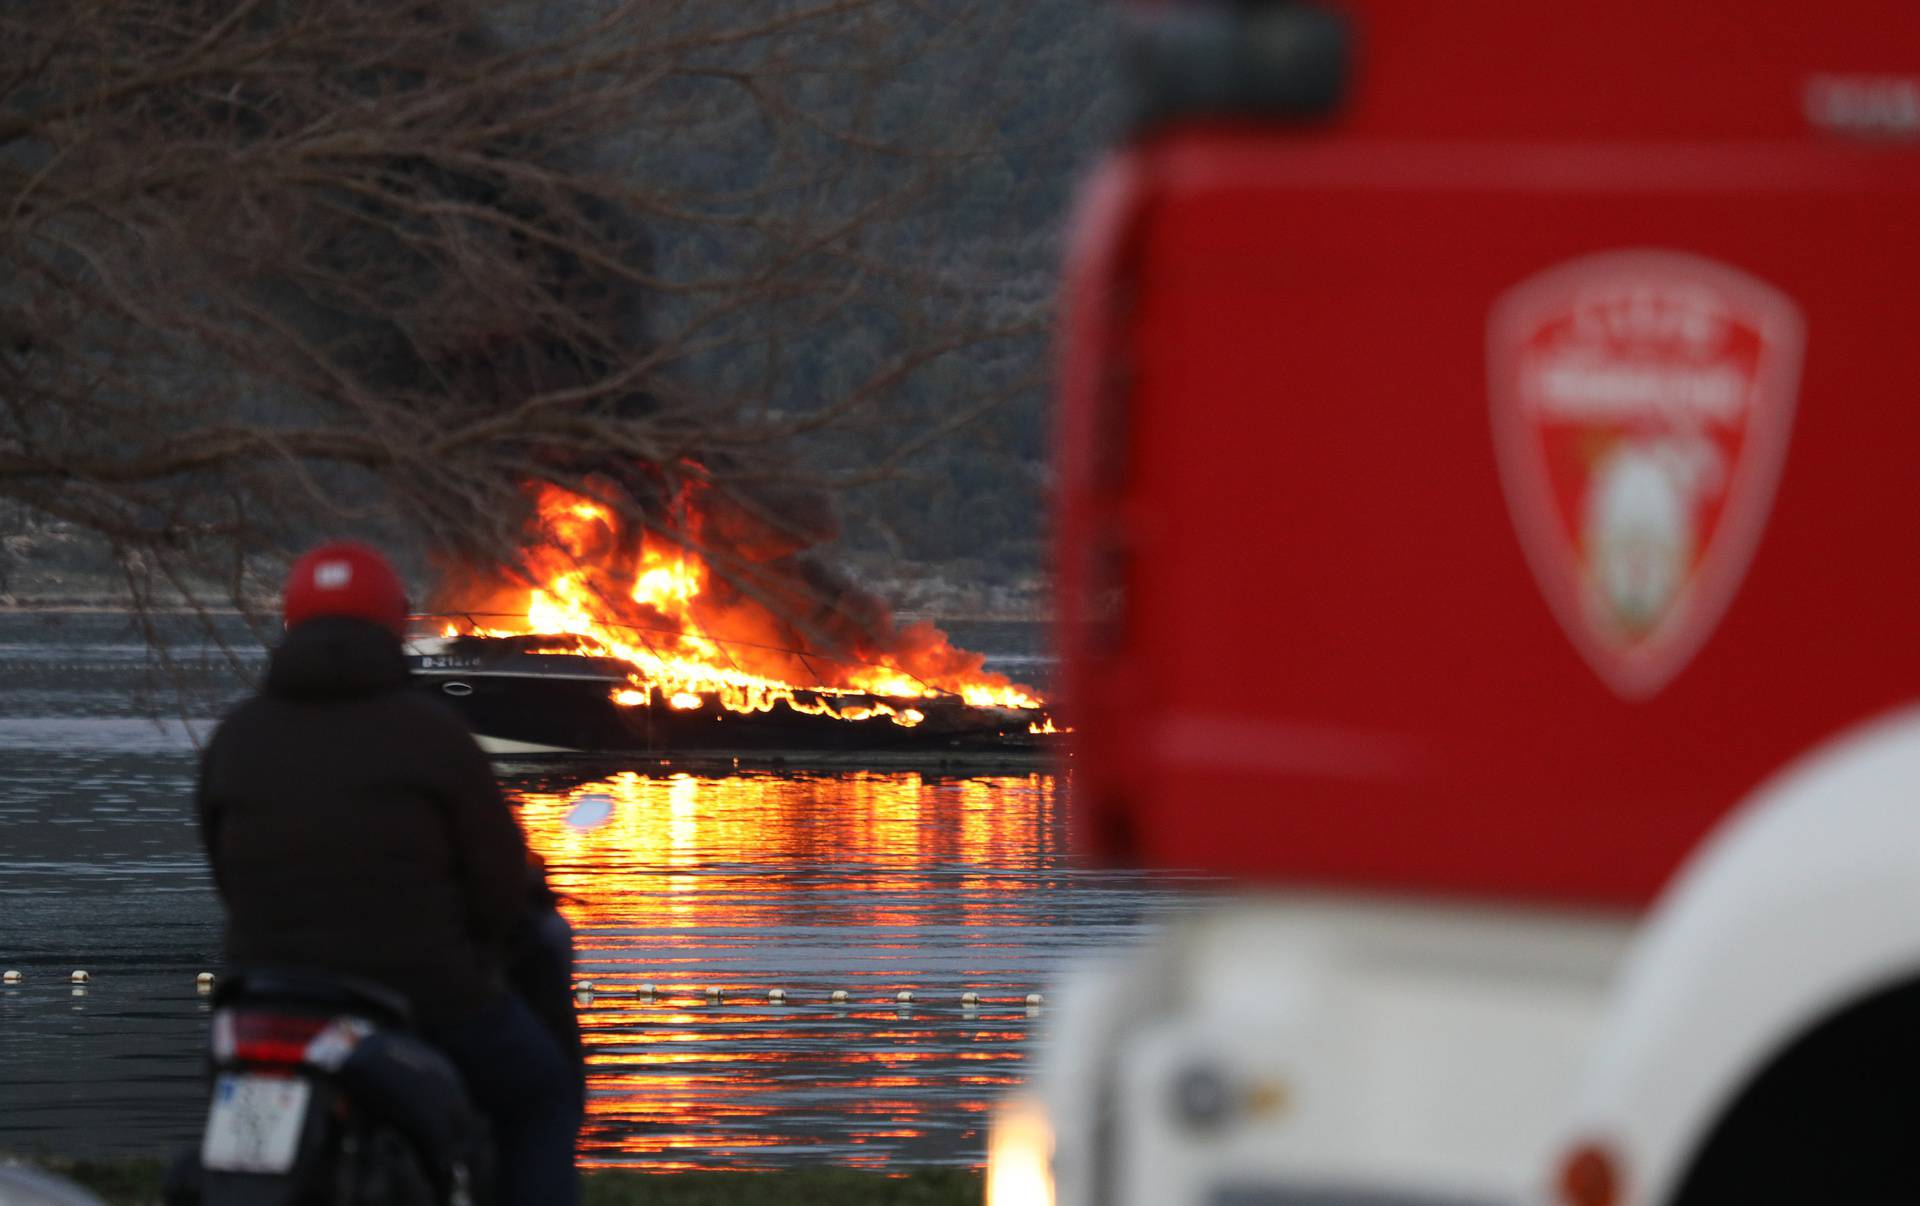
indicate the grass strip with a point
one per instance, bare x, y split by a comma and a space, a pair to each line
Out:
136, 1182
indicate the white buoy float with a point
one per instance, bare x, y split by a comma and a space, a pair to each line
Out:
970, 999
80, 977
1034, 1000
9, 976
647, 989
713, 992
777, 995
839, 996
904, 996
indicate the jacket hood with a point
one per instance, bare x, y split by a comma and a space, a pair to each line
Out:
336, 657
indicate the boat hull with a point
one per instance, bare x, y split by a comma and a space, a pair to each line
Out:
530, 703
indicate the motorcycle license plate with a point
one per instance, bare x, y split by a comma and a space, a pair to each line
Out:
254, 1124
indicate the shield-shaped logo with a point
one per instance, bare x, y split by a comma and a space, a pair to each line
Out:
1641, 406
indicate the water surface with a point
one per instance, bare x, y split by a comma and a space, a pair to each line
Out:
741, 878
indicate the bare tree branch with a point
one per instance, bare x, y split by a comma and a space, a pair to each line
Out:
272, 268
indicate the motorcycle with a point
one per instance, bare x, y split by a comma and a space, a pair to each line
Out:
322, 1096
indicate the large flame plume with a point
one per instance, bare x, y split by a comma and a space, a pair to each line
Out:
780, 633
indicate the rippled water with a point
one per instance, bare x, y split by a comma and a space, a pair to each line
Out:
742, 878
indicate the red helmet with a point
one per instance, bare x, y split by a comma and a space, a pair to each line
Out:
345, 578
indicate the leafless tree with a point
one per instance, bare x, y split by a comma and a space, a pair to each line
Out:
272, 268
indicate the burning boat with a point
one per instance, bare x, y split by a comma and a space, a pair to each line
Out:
522, 699
610, 641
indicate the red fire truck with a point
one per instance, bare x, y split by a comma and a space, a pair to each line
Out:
1490, 535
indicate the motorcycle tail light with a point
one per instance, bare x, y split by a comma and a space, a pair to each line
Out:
255, 1037
286, 1039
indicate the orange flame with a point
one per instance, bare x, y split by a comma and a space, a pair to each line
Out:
653, 603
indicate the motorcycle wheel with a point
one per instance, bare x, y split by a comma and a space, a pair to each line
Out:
381, 1168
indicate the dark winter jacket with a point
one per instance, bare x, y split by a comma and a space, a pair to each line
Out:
354, 827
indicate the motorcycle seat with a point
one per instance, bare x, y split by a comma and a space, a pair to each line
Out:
307, 990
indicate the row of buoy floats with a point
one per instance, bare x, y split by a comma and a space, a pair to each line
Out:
587, 990
80, 978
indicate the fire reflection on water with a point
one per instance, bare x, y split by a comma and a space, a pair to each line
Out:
869, 882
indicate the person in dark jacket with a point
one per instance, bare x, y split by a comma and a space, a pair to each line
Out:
354, 827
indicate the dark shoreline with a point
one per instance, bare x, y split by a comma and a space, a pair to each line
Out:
270, 607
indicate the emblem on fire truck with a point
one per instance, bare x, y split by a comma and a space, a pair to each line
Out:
1641, 406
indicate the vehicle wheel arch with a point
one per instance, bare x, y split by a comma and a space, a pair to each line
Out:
1829, 1116
1801, 909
